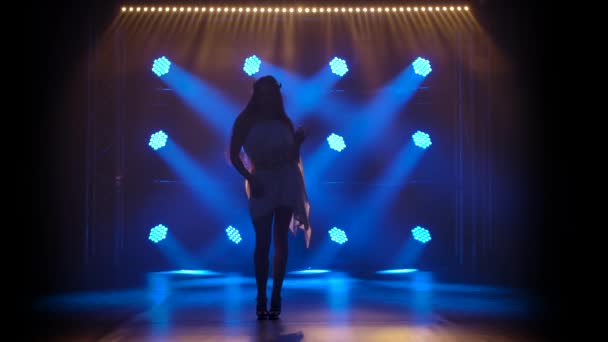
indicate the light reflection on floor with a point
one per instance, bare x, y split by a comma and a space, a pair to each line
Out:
195, 306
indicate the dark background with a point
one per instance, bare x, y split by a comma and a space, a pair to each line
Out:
60, 37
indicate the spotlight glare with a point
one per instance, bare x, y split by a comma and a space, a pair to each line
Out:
394, 9
337, 235
409, 9
181, 9
437, 8
400, 9
252, 65
314, 10
284, 9
358, 10
225, 9
124, 9
240, 9
138, 9
212, 9
459, 8
364, 9
336, 142
343, 9
430, 9
451, 8
167, 9
422, 140
386, 9
130, 9
233, 9
174, 9
422, 66
421, 234
423, 9
233, 234
466, 8
153, 9
158, 140
372, 9
336, 9
299, 10
255, 9
306, 10
158, 233
444, 8
247, 9
350, 10
415, 9
161, 66
338, 66
276, 10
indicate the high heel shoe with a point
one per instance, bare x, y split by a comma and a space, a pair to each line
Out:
261, 312
274, 313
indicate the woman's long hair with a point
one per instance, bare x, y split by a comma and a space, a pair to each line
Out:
265, 103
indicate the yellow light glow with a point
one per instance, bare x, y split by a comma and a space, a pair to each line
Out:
247, 9
466, 8
277, 10
181, 9
386, 9
262, 10
174, 9
437, 8
153, 9
343, 9
124, 9
372, 9
233, 9
306, 10
358, 10
314, 10
291, 10
364, 9
255, 9
459, 8
322, 10
138, 9
130, 9
350, 10
444, 8
226, 9
400, 9
299, 9
240, 9
284, 10
415, 9
394, 9
451, 8
189, 9
409, 9
195, 9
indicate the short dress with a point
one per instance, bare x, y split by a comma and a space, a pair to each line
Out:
270, 154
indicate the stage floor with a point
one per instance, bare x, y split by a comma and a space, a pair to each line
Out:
192, 306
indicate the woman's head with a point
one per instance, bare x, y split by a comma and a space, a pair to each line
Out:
266, 101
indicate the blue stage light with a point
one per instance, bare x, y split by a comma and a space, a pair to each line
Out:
422, 139
158, 140
233, 234
338, 66
336, 142
421, 234
161, 66
422, 66
158, 233
337, 235
252, 65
